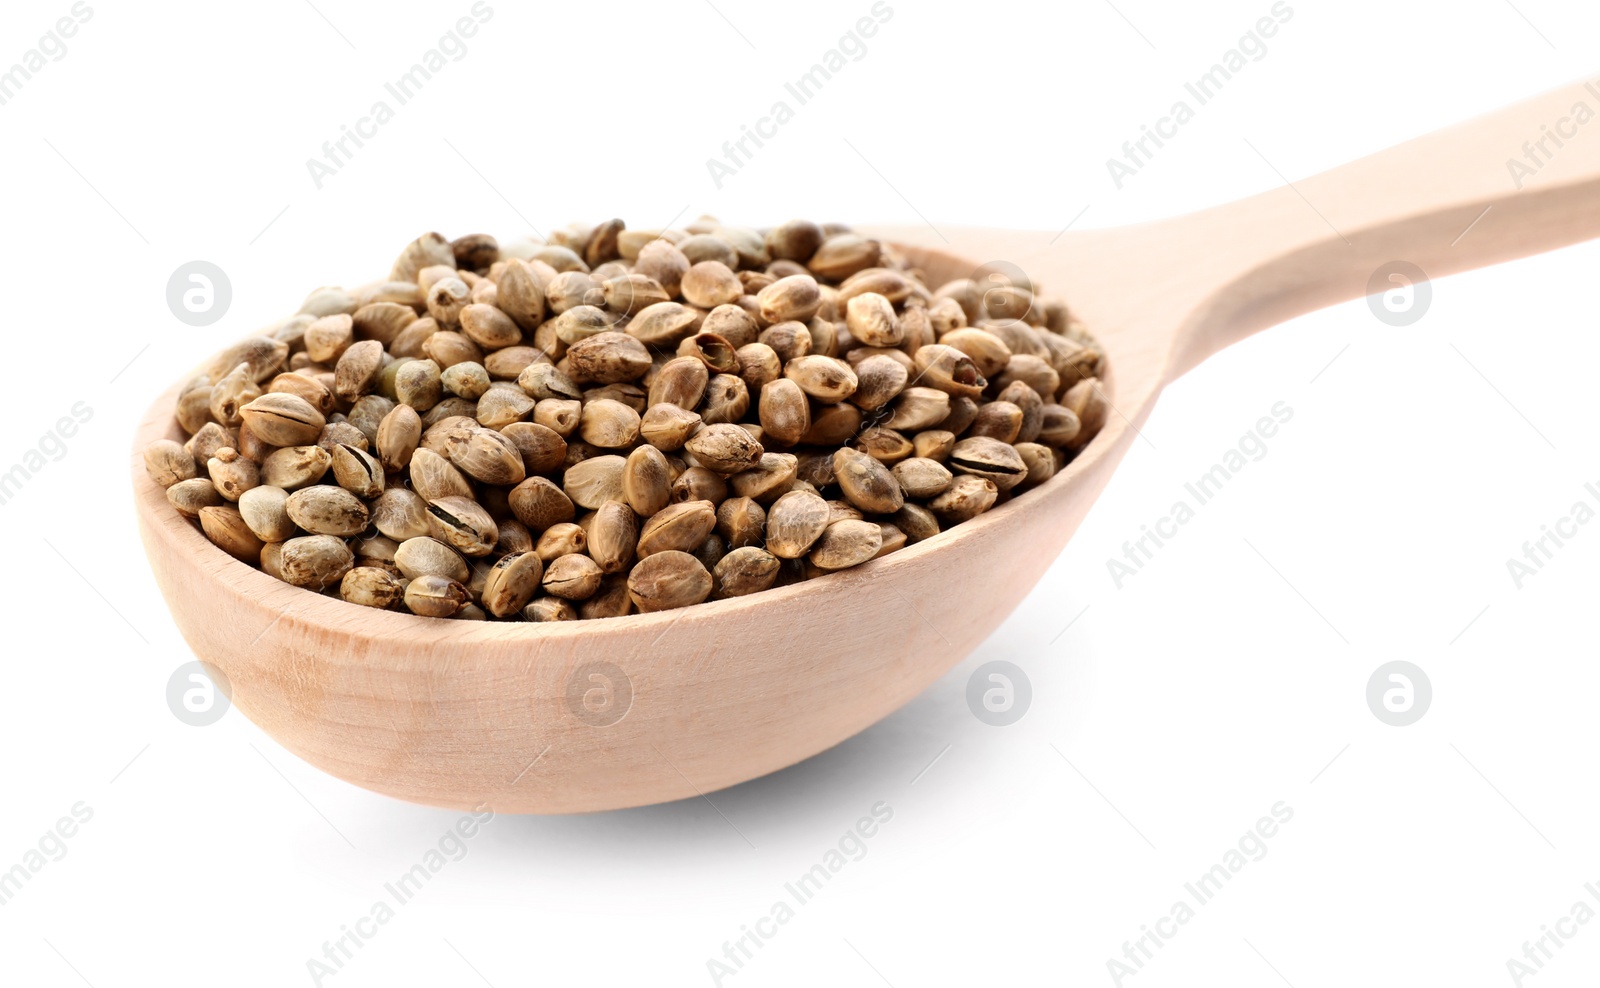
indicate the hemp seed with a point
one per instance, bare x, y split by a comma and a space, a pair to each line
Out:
167, 463
666, 580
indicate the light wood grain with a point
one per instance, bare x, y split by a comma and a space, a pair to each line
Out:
454, 713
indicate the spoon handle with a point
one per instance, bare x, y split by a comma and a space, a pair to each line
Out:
1515, 182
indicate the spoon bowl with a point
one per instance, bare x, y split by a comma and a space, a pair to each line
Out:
578, 716
593, 715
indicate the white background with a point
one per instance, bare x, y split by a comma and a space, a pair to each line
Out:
1210, 687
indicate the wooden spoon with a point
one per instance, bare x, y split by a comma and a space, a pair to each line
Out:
595, 715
